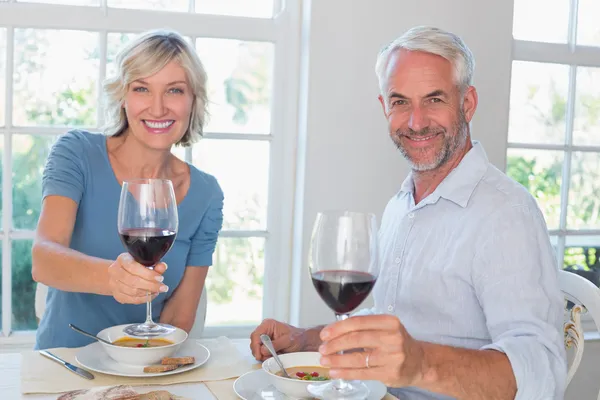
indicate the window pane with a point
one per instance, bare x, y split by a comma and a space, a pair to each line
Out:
586, 128
588, 30
540, 172
551, 27
584, 203
2, 74
538, 102
242, 8
56, 73
64, 2
242, 169
23, 287
160, 5
29, 157
235, 282
582, 256
114, 43
239, 84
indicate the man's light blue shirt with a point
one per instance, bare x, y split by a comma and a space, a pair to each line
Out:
472, 266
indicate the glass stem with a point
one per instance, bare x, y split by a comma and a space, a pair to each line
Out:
149, 309
341, 385
149, 306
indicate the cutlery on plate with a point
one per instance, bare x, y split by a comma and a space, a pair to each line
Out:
266, 340
79, 371
79, 330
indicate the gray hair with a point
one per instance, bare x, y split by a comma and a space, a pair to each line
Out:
143, 57
436, 41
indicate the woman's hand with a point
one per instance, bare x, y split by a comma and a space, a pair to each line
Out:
130, 281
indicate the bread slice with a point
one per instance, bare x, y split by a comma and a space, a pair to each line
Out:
178, 360
160, 368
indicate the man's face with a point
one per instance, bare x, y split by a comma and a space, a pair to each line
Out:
427, 114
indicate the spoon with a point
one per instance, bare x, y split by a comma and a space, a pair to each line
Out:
76, 329
266, 340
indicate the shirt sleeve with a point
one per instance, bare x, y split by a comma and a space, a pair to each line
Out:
516, 281
64, 171
204, 240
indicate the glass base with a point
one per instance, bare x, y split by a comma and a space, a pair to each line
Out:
149, 329
338, 389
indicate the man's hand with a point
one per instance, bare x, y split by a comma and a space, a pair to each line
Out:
286, 339
394, 357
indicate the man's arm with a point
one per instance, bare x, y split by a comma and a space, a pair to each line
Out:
515, 277
398, 360
468, 374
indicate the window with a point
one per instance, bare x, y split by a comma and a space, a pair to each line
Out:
55, 53
554, 123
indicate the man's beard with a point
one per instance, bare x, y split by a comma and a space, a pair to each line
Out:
451, 144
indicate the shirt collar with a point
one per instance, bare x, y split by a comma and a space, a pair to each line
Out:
460, 183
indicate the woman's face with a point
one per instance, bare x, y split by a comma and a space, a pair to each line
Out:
159, 107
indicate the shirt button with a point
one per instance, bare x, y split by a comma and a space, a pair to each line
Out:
411, 215
390, 308
397, 260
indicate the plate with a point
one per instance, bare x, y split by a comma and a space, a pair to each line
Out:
94, 358
255, 385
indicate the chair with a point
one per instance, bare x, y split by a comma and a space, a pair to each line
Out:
585, 297
195, 333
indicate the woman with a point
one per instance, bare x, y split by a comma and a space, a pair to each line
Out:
156, 100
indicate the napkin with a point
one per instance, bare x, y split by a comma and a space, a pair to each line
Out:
121, 392
41, 375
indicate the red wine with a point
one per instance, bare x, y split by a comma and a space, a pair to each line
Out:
343, 291
148, 245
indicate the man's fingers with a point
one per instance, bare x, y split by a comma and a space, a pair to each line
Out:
266, 328
364, 374
281, 343
354, 360
361, 323
362, 339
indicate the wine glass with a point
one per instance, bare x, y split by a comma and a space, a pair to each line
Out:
147, 224
344, 266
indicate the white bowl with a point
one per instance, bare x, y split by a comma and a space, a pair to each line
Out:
292, 387
139, 356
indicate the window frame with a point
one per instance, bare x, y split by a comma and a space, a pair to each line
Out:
282, 30
572, 55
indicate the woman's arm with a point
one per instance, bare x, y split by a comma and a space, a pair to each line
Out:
180, 309
54, 263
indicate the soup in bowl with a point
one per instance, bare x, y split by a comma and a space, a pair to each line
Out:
135, 342
304, 369
140, 351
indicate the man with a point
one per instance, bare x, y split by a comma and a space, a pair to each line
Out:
467, 304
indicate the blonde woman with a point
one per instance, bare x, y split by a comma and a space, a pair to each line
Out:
156, 100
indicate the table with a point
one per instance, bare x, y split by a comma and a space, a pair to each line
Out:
10, 381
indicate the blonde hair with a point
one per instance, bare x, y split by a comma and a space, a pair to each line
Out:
144, 56
434, 41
